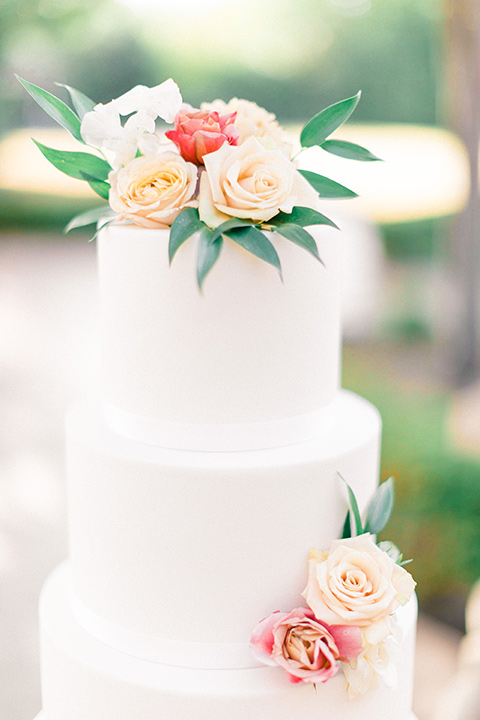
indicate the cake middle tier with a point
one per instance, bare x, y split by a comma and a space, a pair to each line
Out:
199, 547
252, 361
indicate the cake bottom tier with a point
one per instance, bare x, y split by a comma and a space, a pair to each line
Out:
84, 679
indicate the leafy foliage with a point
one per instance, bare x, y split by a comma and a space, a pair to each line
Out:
76, 164
349, 150
55, 107
378, 511
81, 102
318, 129
186, 224
327, 188
257, 243
208, 253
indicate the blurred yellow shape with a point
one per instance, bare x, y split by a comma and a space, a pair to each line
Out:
23, 167
425, 172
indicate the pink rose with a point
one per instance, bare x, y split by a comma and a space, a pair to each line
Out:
198, 132
306, 648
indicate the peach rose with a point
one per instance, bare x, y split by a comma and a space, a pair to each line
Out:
152, 190
198, 132
307, 649
253, 183
355, 582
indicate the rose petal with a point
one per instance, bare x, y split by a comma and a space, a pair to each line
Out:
262, 638
348, 639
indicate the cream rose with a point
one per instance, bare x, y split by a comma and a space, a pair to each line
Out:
252, 183
152, 190
252, 120
355, 582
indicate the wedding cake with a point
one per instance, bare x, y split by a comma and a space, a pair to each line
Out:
223, 491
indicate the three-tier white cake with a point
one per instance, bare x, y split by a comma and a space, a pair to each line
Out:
197, 485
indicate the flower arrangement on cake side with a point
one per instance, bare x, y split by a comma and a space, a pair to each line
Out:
352, 593
225, 171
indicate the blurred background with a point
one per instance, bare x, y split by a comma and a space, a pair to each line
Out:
412, 282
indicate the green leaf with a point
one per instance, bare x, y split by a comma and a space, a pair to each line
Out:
208, 253
327, 188
300, 237
87, 218
347, 530
76, 164
317, 130
257, 243
81, 102
99, 186
302, 216
56, 108
186, 224
230, 225
349, 150
380, 507
355, 512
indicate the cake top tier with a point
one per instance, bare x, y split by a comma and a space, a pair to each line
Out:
250, 358
250, 363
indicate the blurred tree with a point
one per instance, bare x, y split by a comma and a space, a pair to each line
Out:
463, 32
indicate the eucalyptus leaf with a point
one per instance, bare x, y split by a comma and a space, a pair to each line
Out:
302, 216
354, 510
257, 243
230, 225
317, 130
208, 253
300, 237
186, 224
90, 217
380, 508
76, 164
101, 187
349, 150
347, 529
56, 108
327, 188
81, 102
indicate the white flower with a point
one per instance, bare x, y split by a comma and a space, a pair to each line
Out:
102, 128
370, 669
251, 182
151, 191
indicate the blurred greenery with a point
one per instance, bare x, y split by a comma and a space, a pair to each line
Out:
301, 55
438, 491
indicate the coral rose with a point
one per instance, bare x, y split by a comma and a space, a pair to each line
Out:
355, 582
152, 190
252, 120
198, 132
307, 649
252, 183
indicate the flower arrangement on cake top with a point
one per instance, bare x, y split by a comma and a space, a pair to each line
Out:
225, 171
352, 593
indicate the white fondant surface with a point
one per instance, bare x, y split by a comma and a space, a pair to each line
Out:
84, 679
199, 547
249, 349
